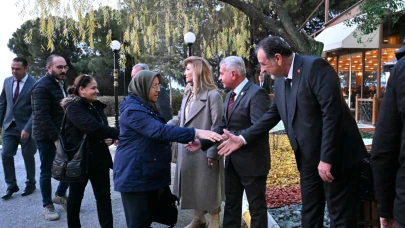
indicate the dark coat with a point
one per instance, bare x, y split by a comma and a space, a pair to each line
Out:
388, 151
47, 113
85, 118
143, 156
164, 103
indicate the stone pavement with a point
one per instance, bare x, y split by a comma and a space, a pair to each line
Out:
19, 212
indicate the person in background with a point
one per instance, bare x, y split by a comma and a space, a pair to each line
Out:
85, 115
142, 160
199, 177
164, 96
47, 117
16, 121
388, 152
263, 84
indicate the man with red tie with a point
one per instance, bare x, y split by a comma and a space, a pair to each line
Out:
247, 168
15, 121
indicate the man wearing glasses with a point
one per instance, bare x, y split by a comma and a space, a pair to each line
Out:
47, 117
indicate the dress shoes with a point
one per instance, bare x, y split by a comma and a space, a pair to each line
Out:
10, 192
28, 190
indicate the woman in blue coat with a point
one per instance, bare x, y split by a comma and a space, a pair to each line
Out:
142, 160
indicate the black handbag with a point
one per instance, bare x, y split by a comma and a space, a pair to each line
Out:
166, 208
70, 165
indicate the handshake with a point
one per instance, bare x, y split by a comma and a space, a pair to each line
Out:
230, 142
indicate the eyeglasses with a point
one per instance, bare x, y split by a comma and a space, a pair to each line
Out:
60, 67
156, 87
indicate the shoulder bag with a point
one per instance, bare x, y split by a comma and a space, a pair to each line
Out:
70, 165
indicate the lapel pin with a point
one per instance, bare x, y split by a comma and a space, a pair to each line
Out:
242, 93
298, 71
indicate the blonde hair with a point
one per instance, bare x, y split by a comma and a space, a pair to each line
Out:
202, 75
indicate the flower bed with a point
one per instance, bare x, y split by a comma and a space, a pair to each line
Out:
283, 179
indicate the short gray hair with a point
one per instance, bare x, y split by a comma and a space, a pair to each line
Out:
235, 63
143, 66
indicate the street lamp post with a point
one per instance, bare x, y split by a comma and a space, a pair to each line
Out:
115, 46
189, 39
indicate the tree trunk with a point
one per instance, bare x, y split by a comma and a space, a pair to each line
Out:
301, 43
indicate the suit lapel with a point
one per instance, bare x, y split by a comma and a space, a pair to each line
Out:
197, 105
239, 98
183, 111
297, 69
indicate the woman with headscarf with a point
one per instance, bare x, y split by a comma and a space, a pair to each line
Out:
142, 160
199, 178
85, 115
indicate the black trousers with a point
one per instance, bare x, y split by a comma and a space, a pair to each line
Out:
139, 208
341, 196
100, 181
255, 188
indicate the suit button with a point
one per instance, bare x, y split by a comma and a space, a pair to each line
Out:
154, 159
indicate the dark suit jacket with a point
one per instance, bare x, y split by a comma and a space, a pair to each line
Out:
20, 110
252, 159
388, 152
323, 126
265, 86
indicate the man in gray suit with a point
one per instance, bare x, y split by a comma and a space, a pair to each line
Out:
15, 120
247, 168
164, 97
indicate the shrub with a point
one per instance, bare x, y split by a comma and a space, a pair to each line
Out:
109, 101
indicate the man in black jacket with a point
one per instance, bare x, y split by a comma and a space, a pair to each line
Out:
388, 152
47, 117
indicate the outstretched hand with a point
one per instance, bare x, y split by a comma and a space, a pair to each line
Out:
193, 146
209, 135
233, 143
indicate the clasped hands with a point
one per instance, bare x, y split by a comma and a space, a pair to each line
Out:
230, 142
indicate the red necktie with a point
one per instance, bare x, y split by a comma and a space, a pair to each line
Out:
231, 101
17, 91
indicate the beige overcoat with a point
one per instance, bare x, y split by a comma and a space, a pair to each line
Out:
197, 185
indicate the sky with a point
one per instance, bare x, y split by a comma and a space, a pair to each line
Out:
10, 21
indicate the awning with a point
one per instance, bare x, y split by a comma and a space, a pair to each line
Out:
341, 36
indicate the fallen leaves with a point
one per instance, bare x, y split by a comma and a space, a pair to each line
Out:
279, 196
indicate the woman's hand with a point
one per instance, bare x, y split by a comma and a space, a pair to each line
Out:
193, 146
209, 135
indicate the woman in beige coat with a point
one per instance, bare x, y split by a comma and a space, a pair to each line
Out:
199, 178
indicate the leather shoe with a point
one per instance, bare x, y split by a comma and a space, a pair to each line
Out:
10, 192
28, 190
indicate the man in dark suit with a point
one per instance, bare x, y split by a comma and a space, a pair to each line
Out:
388, 151
263, 84
247, 168
323, 134
15, 120
164, 96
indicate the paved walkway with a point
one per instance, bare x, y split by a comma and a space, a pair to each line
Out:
26, 211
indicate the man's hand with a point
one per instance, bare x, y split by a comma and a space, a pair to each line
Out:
210, 135
24, 135
56, 143
211, 162
387, 223
324, 171
116, 142
193, 146
233, 143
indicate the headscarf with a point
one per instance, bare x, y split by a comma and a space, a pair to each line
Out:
140, 86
